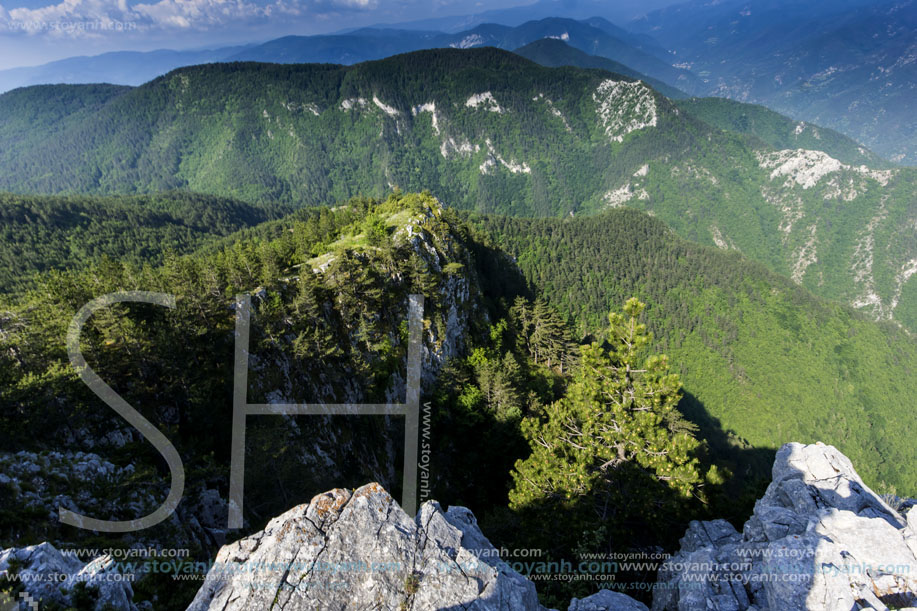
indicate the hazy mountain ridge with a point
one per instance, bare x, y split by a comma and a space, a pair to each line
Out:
121, 67
619, 12
554, 52
595, 36
848, 66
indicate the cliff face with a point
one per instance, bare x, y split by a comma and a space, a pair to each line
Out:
819, 539
361, 291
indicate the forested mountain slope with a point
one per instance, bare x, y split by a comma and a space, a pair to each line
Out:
779, 131
760, 354
774, 129
486, 130
329, 292
39, 233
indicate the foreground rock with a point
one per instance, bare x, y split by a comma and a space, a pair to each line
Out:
606, 600
819, 539
51, 578
361, 551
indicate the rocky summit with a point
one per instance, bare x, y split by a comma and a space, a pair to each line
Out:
819, 539
360, 550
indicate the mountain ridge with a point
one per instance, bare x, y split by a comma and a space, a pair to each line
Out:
500, 134
553, 53
364, 44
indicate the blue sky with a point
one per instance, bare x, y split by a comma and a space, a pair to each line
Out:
37, 31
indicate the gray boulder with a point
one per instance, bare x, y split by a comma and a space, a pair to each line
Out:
49, 577
360, 550
606, 600
819, 539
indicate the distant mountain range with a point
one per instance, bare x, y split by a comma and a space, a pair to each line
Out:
553, 52
849, 65
595, 36
120, 67
620, 11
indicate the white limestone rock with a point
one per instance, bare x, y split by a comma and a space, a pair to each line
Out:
360, 550
49, 577
606, 600
819, 539
624, 107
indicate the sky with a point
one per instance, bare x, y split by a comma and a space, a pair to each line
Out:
37, 31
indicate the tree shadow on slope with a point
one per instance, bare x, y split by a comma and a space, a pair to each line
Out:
616, 539
749, 467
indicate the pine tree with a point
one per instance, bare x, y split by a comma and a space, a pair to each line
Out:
617, 421
543, 332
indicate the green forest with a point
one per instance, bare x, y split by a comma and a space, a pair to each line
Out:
41, 233
762, 358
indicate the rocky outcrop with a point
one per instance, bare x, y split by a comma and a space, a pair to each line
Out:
43, 482
606, 600
49, 577
819, 539
86, 483
343, 550
360, 550
326, 446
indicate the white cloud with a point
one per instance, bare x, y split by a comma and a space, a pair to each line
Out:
355, 3
90, 18
202, 14
83, 17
